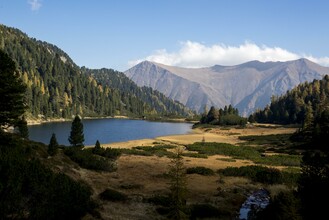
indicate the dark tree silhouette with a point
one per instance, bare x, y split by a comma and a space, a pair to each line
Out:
53, 145
77, 137
12, 92
97, 149
22, 128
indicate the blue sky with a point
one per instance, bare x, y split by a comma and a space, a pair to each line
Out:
192, 33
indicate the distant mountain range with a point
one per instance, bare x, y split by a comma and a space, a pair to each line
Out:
247, 86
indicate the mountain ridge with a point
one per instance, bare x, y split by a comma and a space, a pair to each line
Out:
247, 86
58, 88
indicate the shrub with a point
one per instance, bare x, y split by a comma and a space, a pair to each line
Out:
210, 148
204, 211
160, 200
86, 159
131, 186
111, 153
113, 195
195, 155
200, 170
160, 150
256, 173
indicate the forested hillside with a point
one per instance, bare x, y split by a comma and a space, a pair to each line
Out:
57, 87
135, 96
309, 99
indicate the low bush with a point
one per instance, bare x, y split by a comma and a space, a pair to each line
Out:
160, 200
195, 155
113, 196
110, 153
200, 170
261, 174
86, 159
159, 150
131, 186
199, 211
244, 152
238, 152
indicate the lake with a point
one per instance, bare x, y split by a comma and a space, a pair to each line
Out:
107, 130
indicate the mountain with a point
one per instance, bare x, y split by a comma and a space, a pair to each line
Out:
247, 86
57, 87
129, 89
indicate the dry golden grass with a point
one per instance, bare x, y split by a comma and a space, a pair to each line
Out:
230, 135
148, 172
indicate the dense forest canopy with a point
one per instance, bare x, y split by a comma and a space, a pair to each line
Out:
309, 99
57, 87
135, 97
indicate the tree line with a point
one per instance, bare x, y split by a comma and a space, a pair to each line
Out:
308, 99
57, 87
223, 116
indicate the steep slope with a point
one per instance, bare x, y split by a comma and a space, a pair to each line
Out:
117, 80
247, 86
57, 87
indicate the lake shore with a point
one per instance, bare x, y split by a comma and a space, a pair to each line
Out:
218, 134
42, 121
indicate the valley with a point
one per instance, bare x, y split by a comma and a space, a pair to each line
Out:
142, 178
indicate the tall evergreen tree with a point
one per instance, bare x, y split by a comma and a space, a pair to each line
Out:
97, 147
213, 115
12, 91
53, 145
77, 137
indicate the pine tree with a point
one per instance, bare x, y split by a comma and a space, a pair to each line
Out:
97, 147
177, 186
77, 138
12, 91
213, 115
53, 145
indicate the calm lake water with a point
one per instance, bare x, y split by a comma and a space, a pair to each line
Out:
107, 130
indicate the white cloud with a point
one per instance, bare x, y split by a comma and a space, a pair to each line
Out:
194, 54
35, 4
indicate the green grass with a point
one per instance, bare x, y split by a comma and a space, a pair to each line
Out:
237, 152
273, 140
244, 152
279, 160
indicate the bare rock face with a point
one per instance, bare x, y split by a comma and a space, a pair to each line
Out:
247, 86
